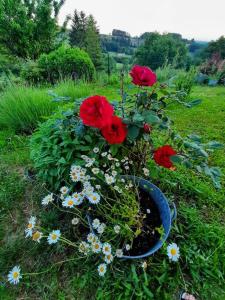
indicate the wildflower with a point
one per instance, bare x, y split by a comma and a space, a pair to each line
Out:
75, 176
75, 221
114, 173
96, 247
144, 265
78, 198
91, 238
14, 275
127, 187
98, 187
101, 228
64, 190
127, 167
109, 179
36, 237
104, 154
90, 162
88, 189
68, 202
117, 229
84, 247
95, 170
128, 247
102, 269
75, 168
146, 171
117, 189
173, 252
109, 156
122, 180
30, 226
94, 198
54, 237
48, 199
119, 253
117, 164
106, 248
96, 223
96, 150
108, 258
148, 211
130, 184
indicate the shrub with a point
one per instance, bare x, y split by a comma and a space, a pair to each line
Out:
66, 62
31, 72
184, 81
22, 108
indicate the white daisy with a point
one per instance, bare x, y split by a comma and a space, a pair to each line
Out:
78, 198
75, 168
109, 156
94, 198
101, 228
119, 253
108, 258
96, 247
114, 173
173, 252
37, 236
90, 162
128, 247
85, 157
84, 247
117, 189
148, 211
117, 164
91, 237
69, 202
54, 237
127, 167
146, 171
95, 171
98, 187
96, 150
117, 229
122, 180
48, 199
64, 190
30, 227
75, 176
109, 179
88, 189
102, 269
104, 154
106, 248
96, 223
75, 221
14, 275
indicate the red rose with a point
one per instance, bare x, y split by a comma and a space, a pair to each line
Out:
162, 156
116, 132
143, 76
96, 111
147, 128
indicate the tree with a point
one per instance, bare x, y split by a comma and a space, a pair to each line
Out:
158, 50
215, 47
77, 34
28, 27
92, 43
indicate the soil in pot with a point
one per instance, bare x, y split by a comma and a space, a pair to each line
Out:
151, 225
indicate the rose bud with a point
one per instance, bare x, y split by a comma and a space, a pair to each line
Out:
147, 128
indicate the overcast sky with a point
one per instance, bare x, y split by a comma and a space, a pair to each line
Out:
199, 19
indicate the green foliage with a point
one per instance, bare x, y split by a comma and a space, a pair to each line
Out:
56, 145
78, 29
158, 50
22, 108
66, 62
32, 73
185, 81
215, 47
28, 28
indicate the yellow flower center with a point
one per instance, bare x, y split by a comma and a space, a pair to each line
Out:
106, 248
54, 236
36, 236
94, 198
96, 246
15, 275
29, 226
70, 202
173, 251
109, 256
101, 269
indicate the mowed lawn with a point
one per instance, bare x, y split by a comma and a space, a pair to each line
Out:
198, 230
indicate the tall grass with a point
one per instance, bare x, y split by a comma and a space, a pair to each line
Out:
22, 108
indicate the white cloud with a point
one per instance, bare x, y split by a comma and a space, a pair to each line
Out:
199, 19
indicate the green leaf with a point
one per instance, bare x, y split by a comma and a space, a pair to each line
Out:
195, 138
194, 103
214, 145
150, 117
138, 118
133, 132
88, 138
114, 149
176, 159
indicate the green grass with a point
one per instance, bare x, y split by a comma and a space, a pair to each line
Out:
198, 230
